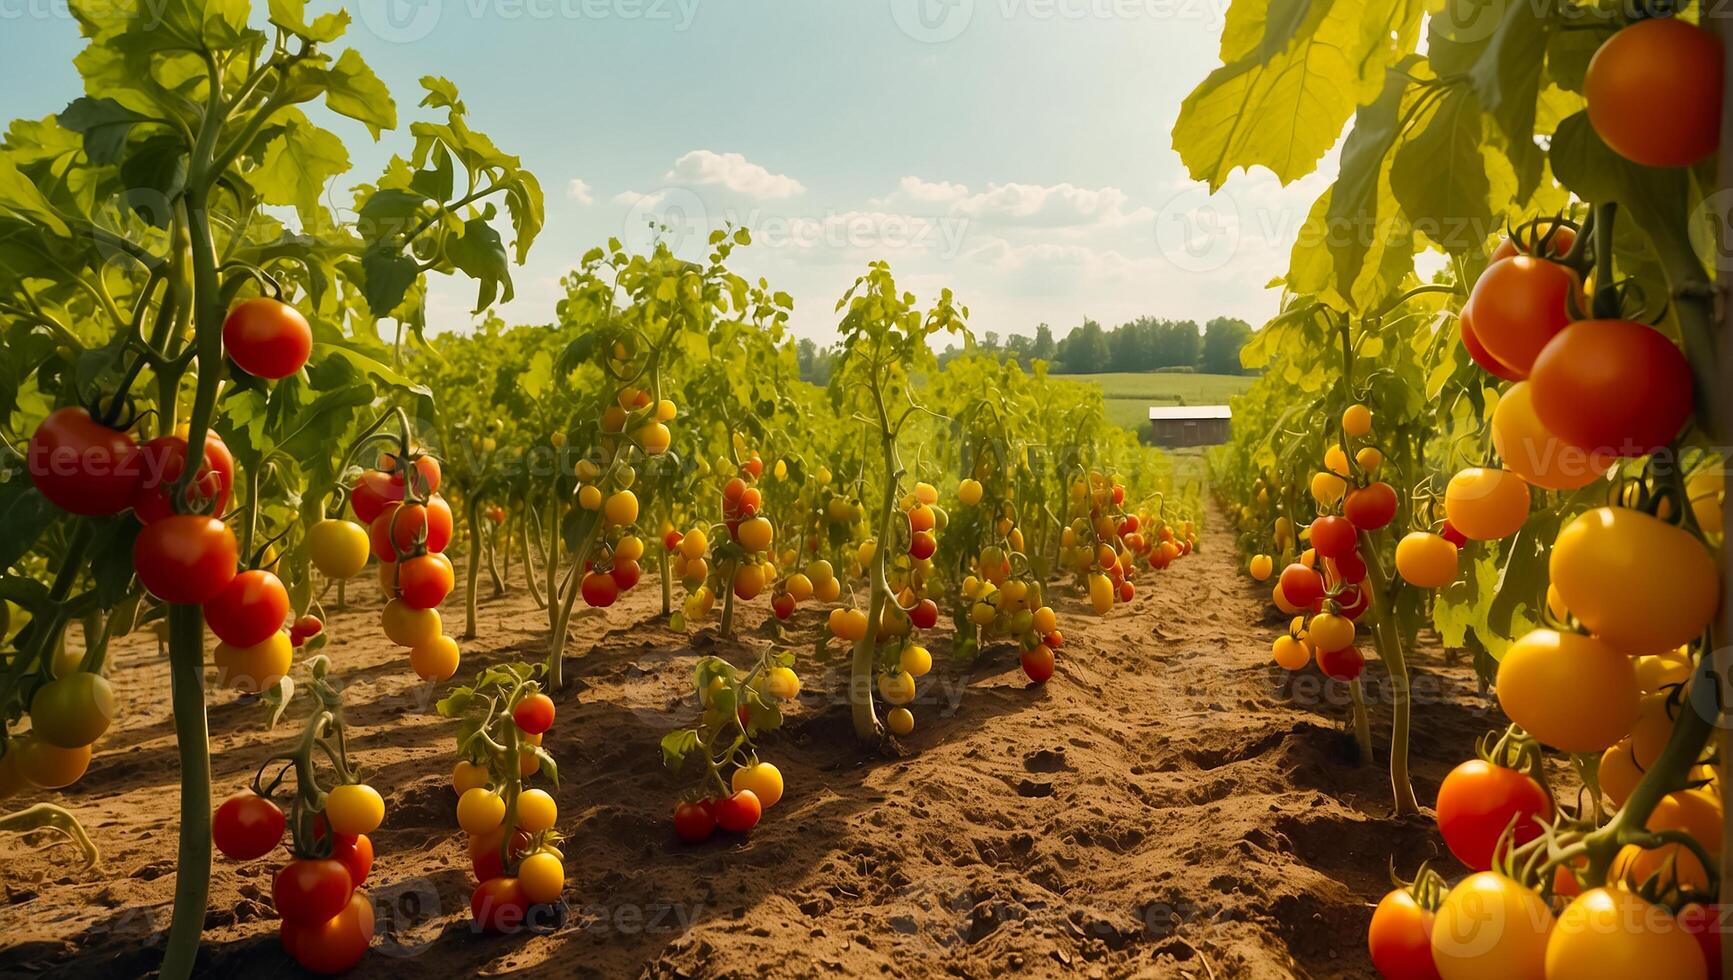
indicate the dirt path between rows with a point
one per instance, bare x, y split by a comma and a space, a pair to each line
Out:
1170, 804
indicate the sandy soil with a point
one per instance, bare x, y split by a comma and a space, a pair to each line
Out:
1170, 804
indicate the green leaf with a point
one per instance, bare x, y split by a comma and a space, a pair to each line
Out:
1360, 211
387, 275
25, 513
104, 124
1506, 79
480, 254
353, 90
291, 16
1440, 176
19, 195
1282, 107
1656, 198
298, 164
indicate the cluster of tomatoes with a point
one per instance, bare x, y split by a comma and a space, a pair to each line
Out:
1092, 545
1328, 582
511, 828
736, 709
327, 920
409, 527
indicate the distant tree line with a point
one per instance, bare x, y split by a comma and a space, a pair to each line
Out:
1142, 345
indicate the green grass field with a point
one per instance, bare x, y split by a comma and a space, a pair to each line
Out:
1129, 396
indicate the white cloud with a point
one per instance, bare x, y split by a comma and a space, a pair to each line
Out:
734, 172
634, 198
1057, 206
579, 190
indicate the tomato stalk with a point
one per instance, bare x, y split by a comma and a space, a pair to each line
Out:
531, 578
193, 863
472, 574
1388, 640
860, 688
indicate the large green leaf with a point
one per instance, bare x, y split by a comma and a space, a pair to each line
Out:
1282, 102
298, 164
1444, 180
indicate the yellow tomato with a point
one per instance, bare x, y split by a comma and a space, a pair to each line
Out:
48, 766
1261, 567
782, 683
1357, 420
479, 811
408, 627
1290, 653
255, 668
1706, 490
1100, 594
631, 548
1534, 453
1045, 620
1619, 773
1486, 504
339, 549
900, 721
1328, 488
542, 877
694, 544
916, 660
589, 496
621, 508
1614, 934
755, 534
435, 660
1641, 584
1369, 459
897, 688
466, 776
354, 808
1574, 693
969, 492
763, 779
1426, 560
536, 811
1330, 633
1336, 460
1490, 926
799, 586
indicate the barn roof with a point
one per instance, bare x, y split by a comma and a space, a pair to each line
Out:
1185, 413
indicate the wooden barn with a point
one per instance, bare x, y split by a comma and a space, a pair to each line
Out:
1177, 426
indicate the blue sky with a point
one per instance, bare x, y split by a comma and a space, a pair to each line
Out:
1015, 150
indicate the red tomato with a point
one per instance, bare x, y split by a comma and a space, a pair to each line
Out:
672, 540
1704, 924
163, 460
1350, 567
1614, 386
356, 853
82, 466
534, 714
484, 853
401, 529
1400, 938
1038, 663
693, 822
753, 467
1449, 533
782, 605
1478, 352
739, 813
247, 826
1301, 585
925, 615
922, 544
1333, 537
249, 609
267, 338
1354, 601
1654, 92
310, 891
499, 905
1518, 304
1478, 800
427, 474
599, 590
186, 559
304, 629
625, 573
1370, 507
334, 945
1342, 665
424, 581
369, 496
